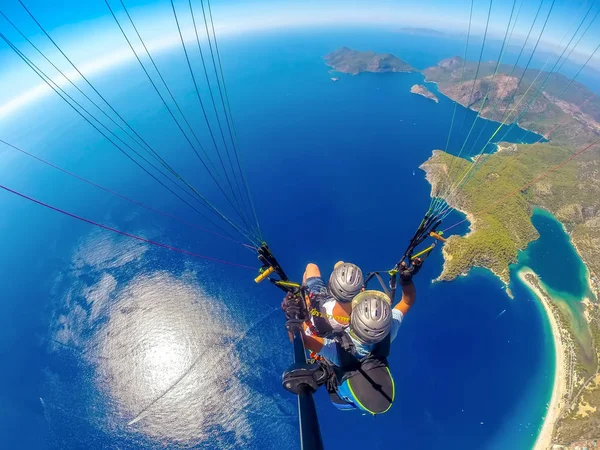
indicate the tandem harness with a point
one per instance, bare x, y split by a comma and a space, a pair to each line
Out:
366, 380
360, 377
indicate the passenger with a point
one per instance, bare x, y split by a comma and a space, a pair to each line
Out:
330, 305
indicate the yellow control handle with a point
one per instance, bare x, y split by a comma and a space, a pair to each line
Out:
431, 247
264, 275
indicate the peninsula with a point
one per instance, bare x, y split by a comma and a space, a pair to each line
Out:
353, 62
500, 226
562, 110
419, 89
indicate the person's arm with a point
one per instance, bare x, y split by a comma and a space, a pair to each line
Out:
409, 295
312, 343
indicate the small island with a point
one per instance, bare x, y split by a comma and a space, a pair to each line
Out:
346, 60
419, 89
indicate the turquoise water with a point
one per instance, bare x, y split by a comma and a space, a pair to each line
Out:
331, 169
562, 272
554, 258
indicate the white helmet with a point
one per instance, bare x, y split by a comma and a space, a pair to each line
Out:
345, 282
371, 318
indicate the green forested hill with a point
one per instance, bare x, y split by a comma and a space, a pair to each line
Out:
498, 232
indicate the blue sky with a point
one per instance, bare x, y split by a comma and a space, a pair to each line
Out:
88, 35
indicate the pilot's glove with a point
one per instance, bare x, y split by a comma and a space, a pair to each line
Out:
407, 273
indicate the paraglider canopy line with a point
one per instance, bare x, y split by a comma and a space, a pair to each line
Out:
123, 233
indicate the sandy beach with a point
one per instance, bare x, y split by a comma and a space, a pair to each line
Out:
544, 440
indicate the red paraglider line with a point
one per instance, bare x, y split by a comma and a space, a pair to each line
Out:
122, 196
535, 180
114, 230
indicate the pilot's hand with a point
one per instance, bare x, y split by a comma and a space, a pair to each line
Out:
293, 307
407, 273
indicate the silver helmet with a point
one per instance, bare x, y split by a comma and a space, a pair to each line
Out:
345, 282
371, 318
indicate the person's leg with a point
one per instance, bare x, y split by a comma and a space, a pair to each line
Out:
312, 271
315, 287
313, 281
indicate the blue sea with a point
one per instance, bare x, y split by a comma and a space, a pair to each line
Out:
96, 329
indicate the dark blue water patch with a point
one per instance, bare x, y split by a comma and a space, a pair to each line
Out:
521, 428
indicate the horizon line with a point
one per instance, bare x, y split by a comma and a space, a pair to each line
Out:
116, 57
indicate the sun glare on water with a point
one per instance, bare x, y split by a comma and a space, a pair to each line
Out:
161, 359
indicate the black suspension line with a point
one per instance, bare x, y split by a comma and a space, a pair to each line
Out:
64, 95
487, 24
474, 169
245, 234
217, 115
229, 118
213, 176
440, 205
437, 202
118, 115
116, 194
456, 185
195, 83
208, 83
556, 69
232, 125
144, 144
497, 102
166, 86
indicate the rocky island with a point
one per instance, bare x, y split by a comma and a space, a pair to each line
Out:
346, 60
419, 89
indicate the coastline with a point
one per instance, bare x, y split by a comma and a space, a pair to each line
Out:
566, 378
590, 276
544, 439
